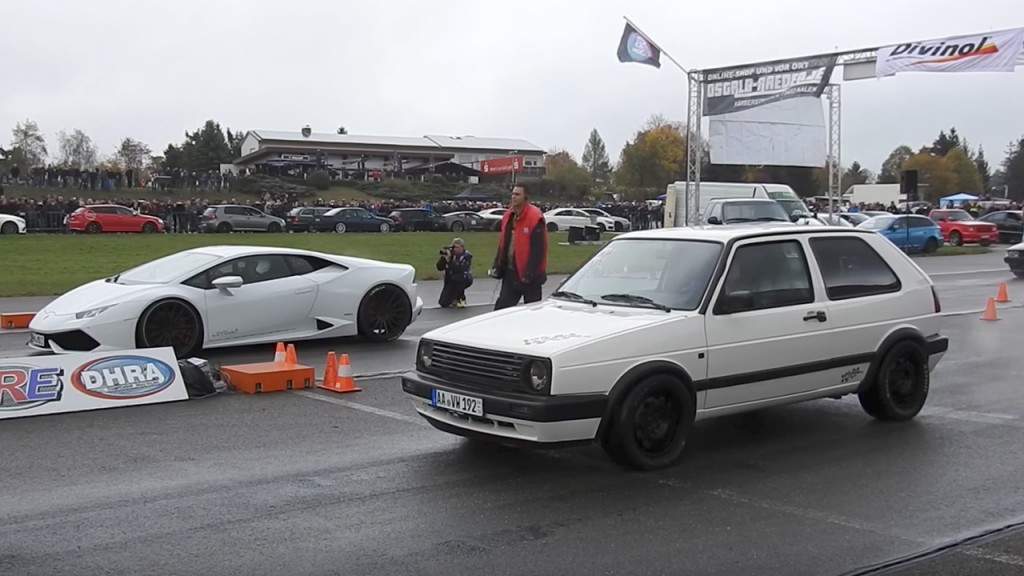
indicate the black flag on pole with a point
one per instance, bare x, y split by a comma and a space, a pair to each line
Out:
634, 47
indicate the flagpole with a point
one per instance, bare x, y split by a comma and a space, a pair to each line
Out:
655, 44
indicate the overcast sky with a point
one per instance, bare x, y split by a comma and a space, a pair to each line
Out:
543, 71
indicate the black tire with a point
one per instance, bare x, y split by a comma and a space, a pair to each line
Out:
9, 228
955, 239
458, 226
223, 228
148, 228
385, 227
273, 228
384, 314
93, 228
552, 227
340, 228
984, 242
901, 386
173, 323
618, 226
658, 443
1018, 273
931, 245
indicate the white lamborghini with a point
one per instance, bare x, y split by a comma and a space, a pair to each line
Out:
220, 296
11, 224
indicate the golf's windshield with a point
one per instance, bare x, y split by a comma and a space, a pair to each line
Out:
735, 212
166, 269
877, 223
645, 274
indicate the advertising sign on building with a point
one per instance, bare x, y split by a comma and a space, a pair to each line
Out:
37, 385
506, 165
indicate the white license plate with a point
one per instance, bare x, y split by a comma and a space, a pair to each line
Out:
38, 340
457, 402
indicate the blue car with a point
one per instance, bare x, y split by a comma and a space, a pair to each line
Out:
922, 235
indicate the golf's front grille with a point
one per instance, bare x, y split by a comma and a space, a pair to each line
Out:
485, 368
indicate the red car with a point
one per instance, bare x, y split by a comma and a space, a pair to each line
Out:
112, 218
959, 227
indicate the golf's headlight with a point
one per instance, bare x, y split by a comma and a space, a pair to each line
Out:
93, 312
537, 375
423, 356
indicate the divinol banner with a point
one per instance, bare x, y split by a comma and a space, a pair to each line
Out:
988, 52
739, 88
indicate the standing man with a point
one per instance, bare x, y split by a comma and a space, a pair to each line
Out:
522, 259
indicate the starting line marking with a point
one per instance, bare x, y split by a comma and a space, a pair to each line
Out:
362, 407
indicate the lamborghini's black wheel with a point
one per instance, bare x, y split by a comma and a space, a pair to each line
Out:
170, 323
384, 314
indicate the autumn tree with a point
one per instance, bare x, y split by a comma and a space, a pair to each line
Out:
133, 154
965, 171
564, 177
935, 176
655, 157
75, 149
890, 172
595, 158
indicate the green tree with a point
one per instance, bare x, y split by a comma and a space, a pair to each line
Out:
133, 154
984, 169
76, 150
965, 171
206, 148
595, 158
1013, 169
946, 142
890, 172
855, 174
28, 145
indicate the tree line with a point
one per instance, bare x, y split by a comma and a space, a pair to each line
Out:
656, 156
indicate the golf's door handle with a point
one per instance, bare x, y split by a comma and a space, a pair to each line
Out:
819, 316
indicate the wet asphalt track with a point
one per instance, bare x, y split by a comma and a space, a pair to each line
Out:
314, 483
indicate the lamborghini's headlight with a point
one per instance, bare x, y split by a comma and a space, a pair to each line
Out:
93, 312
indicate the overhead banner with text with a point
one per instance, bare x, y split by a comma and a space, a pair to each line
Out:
985, 52
769, 113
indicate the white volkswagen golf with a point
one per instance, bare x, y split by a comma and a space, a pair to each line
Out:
661, 328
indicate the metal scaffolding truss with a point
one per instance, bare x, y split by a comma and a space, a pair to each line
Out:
695, 145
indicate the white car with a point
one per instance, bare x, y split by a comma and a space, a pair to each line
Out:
665, 327
1015, 259
220, 296
560, 219
11, 224
610, 223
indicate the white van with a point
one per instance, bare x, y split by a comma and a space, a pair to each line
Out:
675, 197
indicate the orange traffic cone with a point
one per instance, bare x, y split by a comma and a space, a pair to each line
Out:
990, 310
343, 382
330, 371
1002, 297
279, 353
289, 355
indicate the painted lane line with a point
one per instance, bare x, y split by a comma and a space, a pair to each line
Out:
363, 407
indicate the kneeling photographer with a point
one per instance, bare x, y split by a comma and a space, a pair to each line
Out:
457, 264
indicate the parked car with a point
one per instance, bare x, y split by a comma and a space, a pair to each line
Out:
418, 220
219, 296
610, 223
1015, 259
11, 224
959, 228
911, 232
112, 217
745, 211
493, 216
1008, 225
353, 219
303, 218
231, 218
561, 219
467, 220
665, 327
854, 218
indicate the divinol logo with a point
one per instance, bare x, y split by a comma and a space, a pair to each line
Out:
945, 51
23, 387
123, 377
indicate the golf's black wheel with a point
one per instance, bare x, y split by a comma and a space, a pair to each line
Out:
384, 314
171, 323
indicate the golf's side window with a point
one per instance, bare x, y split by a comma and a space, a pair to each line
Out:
766, 275
851, 268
